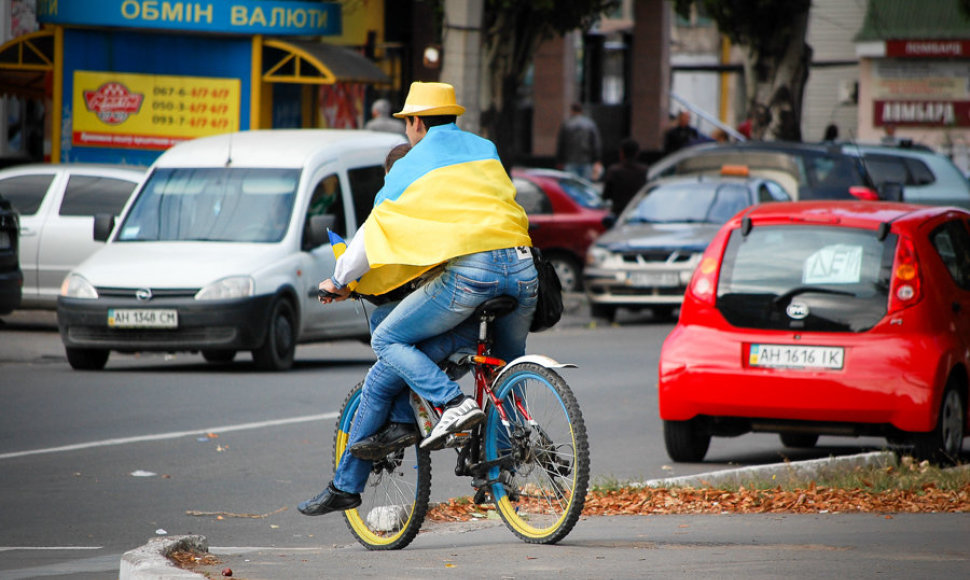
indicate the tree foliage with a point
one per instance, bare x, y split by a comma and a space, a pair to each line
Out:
763, 25
512, 33
777, 60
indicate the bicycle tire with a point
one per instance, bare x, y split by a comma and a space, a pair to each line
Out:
395, 498
541, 494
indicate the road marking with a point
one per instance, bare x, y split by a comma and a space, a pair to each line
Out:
9, 548
172, 435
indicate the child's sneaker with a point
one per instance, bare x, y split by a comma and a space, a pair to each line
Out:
456, 417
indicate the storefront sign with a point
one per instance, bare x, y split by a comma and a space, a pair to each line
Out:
136, 111
925, 93
922, 113
928, 48
278, 17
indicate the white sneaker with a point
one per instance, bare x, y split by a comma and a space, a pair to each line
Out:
457, 418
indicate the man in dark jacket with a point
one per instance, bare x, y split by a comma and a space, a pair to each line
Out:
578, 145
625, 177
680, 135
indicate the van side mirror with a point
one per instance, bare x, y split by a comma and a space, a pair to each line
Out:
891, 191
315, 231
103, 224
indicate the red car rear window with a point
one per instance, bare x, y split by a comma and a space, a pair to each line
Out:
806, 277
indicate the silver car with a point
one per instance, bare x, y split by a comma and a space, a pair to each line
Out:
57, 204
647, 259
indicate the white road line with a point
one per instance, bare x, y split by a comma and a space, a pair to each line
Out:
172, 435
9, 548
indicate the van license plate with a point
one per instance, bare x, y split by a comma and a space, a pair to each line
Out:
143, 318
796, 356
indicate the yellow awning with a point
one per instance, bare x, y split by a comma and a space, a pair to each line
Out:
25, 63
307, 62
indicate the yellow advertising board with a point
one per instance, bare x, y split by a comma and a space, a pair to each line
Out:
139, 111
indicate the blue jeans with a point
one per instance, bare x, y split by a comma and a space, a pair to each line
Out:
412, 336
584, 170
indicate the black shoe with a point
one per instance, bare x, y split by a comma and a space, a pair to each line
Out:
389, 439
329, 500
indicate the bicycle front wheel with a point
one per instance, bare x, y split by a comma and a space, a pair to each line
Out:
541, 458
395, 499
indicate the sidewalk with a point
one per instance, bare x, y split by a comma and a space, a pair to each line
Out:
605, 547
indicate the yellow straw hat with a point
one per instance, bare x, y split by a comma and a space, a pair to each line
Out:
426, 99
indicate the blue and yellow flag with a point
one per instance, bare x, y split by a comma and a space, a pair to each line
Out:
339, 246
448, 197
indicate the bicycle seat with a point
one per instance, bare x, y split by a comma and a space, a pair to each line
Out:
496, 307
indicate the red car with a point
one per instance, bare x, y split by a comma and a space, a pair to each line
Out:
565, 215
825, 318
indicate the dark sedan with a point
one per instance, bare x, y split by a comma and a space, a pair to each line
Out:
806, 171
646, 260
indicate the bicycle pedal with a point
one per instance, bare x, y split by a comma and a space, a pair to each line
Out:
457, 439
482, 497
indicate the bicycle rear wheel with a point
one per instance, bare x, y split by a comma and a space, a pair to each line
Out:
395, 499
542, 472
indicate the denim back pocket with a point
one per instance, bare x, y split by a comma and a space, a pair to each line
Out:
470, 293
528, 291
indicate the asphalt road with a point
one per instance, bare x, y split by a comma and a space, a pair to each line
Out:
93, 464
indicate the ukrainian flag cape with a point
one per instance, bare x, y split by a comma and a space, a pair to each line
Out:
448, 197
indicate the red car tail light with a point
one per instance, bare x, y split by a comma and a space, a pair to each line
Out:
863, 193
904, 290
703, 284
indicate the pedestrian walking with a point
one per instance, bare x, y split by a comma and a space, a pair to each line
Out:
381, 119
578, 145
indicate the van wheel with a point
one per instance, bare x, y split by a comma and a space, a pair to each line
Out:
686, 441
944, 443
87, 359
219, 356
276, 352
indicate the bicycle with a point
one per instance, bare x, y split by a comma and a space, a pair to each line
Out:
529, 457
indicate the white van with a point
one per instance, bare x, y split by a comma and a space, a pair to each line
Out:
222, 247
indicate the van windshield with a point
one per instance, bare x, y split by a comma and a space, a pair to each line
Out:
213, 204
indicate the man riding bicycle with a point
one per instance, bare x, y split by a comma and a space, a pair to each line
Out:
447, 216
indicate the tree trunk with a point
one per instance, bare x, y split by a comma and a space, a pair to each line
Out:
511, 40
775, 81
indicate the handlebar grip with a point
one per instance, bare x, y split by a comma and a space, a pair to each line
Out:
324, 294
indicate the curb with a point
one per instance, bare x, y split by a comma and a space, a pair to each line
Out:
776, 471
150, 562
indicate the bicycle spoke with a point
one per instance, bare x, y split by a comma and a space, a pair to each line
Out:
545, 467
395, 497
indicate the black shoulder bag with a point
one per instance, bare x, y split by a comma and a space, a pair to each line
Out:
549, 306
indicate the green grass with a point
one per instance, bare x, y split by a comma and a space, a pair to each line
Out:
908, 474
